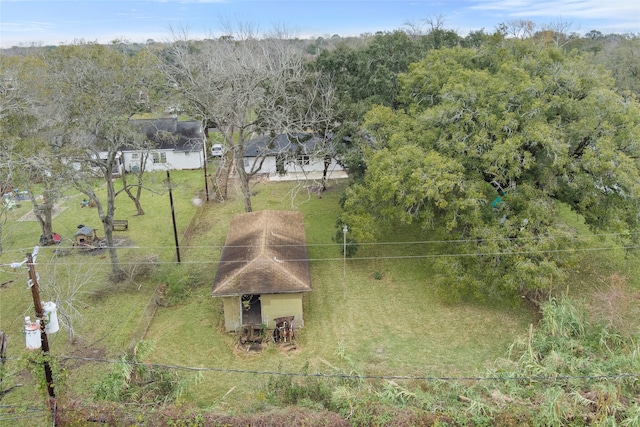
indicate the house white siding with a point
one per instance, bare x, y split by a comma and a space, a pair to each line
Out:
174, 145
289, 153
269, 166
159, 160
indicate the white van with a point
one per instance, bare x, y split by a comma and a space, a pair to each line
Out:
216, 150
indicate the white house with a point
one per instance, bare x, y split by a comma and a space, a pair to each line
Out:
298, 152
173, 145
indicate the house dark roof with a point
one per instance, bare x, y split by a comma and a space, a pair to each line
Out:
295, 143
168, 133
265, 253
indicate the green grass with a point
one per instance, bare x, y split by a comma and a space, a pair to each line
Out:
109, 313
395, 325
387, 315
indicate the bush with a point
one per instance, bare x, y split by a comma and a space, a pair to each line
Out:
180, 284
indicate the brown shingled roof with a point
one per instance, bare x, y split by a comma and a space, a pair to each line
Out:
265, 253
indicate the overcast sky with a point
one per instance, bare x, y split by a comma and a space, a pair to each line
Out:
53, 22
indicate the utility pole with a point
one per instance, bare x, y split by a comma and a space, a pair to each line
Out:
173, 217
204, 157
344, 251
35, 292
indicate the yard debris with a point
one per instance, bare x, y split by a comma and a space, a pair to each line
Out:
283, 332
464, 399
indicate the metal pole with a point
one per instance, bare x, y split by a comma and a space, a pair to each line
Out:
344, 251
173, 217
204, 157
35, 292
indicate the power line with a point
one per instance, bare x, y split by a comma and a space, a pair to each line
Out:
352, 376
355, 376
418, 242
378, 257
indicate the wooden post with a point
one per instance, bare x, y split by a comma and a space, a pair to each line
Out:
35, 292
173, 218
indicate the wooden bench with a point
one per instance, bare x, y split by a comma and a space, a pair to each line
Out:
120, 224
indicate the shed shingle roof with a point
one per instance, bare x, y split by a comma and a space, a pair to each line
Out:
265, 253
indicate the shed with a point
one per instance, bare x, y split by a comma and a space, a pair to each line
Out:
85, 236
264, 270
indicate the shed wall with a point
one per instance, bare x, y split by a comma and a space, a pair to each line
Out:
281, 305
231, 306
273, 306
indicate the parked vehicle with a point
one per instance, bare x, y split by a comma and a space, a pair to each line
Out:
217, 150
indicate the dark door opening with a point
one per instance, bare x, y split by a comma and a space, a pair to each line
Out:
251, 310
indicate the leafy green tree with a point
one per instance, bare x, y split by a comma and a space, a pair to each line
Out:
366, 74
96, 89
29, 127
621, 54
488, 143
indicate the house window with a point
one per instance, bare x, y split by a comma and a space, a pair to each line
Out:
160, 157
303, 159
135, 156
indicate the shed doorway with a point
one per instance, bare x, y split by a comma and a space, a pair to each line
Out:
251, 310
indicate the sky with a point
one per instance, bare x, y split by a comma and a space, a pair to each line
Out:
53, 22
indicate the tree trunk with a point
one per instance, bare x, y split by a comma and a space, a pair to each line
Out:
134, 198
223, 175
117, 275
243, 177
327, 163
44, 215
2, 222
227, 161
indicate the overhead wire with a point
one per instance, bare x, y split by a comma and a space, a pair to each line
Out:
354, 376
366, 258
22, 251
222, 370
369, 258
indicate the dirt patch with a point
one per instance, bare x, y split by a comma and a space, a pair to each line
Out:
84, 351
57, 209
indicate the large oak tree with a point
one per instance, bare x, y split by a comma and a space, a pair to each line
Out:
486, 145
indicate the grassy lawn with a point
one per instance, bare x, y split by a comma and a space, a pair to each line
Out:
393, 323
107, 313
372, 315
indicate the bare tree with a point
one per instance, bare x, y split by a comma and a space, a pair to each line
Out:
144, 153
558, 32
520, 28
139, 174
65, 287
247, 86
11, 110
